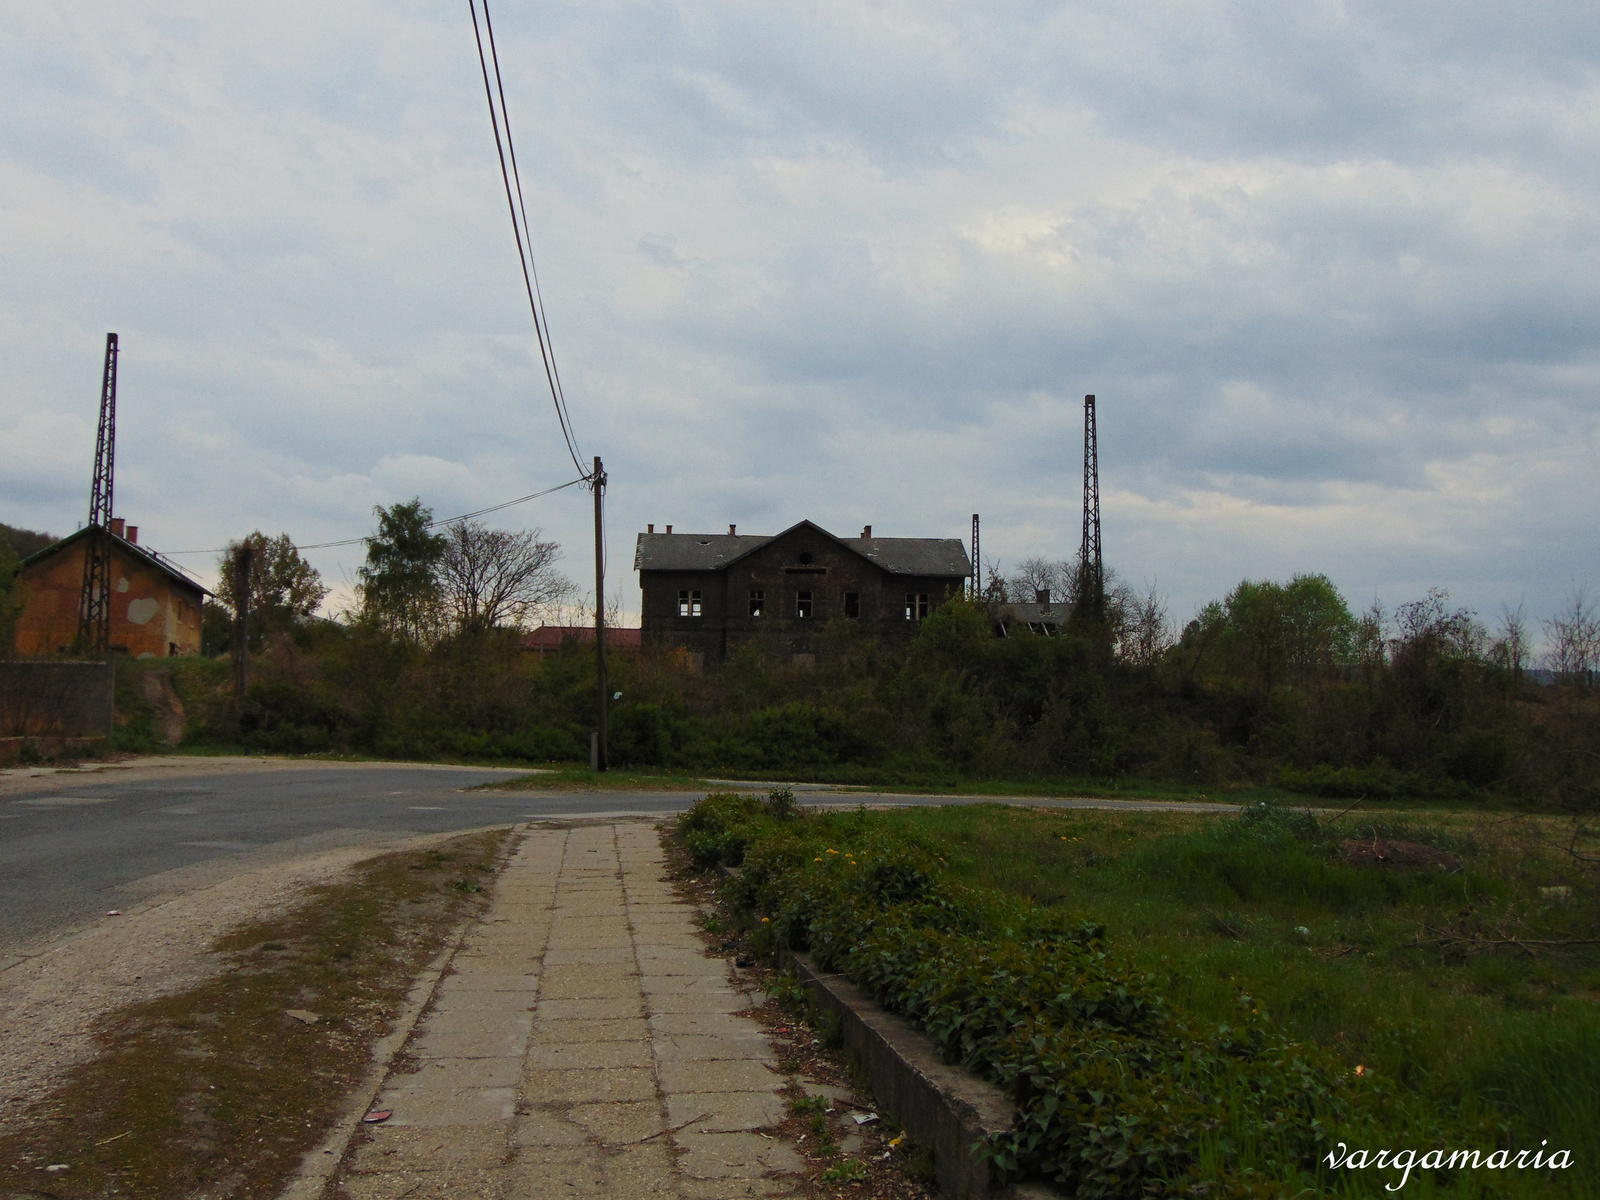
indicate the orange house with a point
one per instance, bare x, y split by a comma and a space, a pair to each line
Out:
155, 608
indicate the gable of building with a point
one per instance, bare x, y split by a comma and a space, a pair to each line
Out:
132, 550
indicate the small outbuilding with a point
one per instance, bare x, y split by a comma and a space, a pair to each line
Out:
155, 607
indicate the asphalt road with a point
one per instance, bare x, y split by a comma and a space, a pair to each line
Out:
74, 846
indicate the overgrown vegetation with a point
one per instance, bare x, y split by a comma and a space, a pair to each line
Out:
215, 1091
1277, 687
1208, 1006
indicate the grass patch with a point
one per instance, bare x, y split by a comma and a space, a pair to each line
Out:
1181, 999
216, 1091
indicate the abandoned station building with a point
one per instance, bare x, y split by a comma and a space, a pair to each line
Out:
155, 608
711, 592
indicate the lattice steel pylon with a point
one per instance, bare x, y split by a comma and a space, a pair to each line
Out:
977, 572
1091, 599
94, 603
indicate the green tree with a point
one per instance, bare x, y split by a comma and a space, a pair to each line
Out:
1275, 633
284, 588
399, 583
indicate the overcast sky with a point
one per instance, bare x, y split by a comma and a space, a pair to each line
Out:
1331, 269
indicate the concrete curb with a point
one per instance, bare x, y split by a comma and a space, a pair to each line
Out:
319, 1165
945, 1108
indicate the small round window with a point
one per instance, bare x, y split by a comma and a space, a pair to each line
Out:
805, 556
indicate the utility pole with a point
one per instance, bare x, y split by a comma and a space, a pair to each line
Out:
242, 557
598, 484
94, 601
977, 570
1091, 599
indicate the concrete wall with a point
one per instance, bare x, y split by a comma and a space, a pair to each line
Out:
55, 699
152, 615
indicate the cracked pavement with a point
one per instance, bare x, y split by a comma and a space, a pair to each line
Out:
581, 1044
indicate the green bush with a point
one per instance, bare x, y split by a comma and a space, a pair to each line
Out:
1119, 1094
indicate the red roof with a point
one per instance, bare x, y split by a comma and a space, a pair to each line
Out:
551, 637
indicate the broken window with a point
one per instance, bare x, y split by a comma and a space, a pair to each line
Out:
758, 601
802, 604
916, 605
852, 604
688, 602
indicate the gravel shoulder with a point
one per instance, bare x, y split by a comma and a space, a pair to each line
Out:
49, 1001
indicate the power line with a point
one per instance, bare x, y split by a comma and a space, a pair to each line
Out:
430, 525
519, 227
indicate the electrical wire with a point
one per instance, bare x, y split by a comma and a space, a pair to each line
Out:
430, 525
519, 227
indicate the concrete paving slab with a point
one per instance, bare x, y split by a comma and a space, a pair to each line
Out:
718, 1075
734, 1156
489, 1022
707, 1024
581, 980
563, 1055
698, 1002
607, 954
550, 1128
459, 1000
469, 1045
482, 979
725, 1112
594, 1009
679, 985
433, 1106
588, 1085
462, 1073
686, 964
486, 1184
620, 1124
548, 1031
387, 1149
690, 1047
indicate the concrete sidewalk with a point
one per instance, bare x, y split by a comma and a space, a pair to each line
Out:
582, 1045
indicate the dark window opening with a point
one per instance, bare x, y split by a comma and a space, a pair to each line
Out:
802, 604
689, 602
852, 604
805, 556
758, 601
916, 605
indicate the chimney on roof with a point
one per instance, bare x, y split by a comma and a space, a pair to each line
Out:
116, 526
1041, 597
650, 528
669, 528
732, 530
133, 534
866, 531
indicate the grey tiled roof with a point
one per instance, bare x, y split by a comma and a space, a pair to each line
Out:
693, 551
916, 556
938, 557
1032, 614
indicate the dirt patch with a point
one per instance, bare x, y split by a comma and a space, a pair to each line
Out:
212, 1089
1403, 855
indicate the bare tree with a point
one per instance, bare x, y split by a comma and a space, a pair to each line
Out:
1146, 628
1573, 634
491, 577
994, 591
1035, 575
1510, 647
